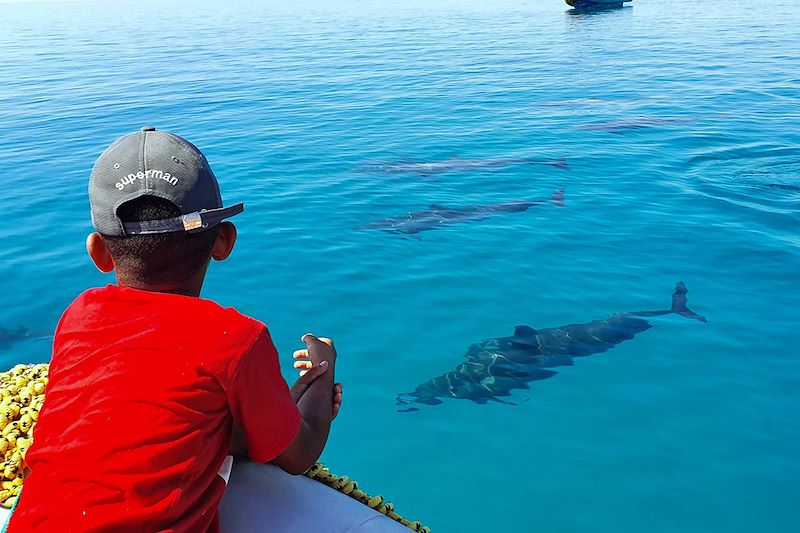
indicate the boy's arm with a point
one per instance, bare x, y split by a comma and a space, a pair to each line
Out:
316, 408
307, 375
265, 415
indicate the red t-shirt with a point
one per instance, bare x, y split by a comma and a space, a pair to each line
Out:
144, 388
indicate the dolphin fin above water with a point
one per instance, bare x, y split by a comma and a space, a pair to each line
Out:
496, 366
525, 335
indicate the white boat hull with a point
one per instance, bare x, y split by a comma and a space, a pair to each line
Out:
599, 3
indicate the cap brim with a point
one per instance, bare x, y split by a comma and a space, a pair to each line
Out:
192, 222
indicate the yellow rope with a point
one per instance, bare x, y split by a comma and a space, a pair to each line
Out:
22, 390
349, 487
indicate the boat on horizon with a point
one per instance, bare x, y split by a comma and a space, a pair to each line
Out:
596, 4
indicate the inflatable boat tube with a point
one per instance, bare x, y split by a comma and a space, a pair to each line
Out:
262, 497
258, 498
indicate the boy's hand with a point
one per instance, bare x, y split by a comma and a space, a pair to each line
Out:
306, 377
301, 386
319, 349
318, 398
337, 399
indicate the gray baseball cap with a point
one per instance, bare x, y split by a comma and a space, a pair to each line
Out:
155, 163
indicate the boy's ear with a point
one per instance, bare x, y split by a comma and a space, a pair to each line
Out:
99, 253
226, 238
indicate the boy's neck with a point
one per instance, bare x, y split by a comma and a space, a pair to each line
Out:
190, 287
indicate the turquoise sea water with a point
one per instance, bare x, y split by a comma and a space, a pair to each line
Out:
687, 427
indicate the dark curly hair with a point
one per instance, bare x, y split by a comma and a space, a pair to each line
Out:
160, 258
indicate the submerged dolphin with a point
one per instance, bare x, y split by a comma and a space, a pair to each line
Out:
784, 186
439, 215
457, 164
494, 367
636, 123
10, 336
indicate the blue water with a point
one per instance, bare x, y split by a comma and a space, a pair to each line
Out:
688, 427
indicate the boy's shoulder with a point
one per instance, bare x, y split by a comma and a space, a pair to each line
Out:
122, 307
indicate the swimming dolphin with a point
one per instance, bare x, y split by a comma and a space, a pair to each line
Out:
494, 367
784, 186
455, 164
10, 336
439, 215
636, 123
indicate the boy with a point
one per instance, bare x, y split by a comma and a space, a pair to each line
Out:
152, 386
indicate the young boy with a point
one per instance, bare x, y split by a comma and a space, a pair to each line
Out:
151, 386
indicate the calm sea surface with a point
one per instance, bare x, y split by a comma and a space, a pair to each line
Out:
680, 125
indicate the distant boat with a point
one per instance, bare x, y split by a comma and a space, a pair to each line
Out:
595, 3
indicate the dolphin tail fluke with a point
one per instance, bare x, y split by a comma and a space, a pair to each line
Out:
679, 303
678, 306
558, 198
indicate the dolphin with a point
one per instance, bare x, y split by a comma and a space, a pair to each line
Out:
636, 123
438, 215
10, 336
784, 186
496, 366
456, 164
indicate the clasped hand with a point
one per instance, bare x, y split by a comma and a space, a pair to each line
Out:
312, 362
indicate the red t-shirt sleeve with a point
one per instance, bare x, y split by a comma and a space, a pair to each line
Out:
260, 402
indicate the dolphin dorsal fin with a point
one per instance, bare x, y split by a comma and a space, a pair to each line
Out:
525, 333
438, 206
